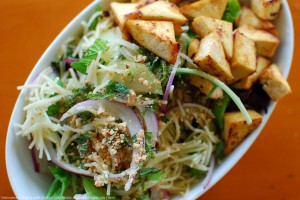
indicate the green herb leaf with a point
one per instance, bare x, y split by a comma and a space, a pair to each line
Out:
232, 11
197, 171
82, 142
95, 21
219, 108
91, 190
60, 184
148, 171
116, 87
90, 55
53, 110
219, 152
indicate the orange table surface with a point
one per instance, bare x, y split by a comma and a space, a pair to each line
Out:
269, 170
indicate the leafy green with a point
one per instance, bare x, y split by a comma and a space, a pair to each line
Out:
95, 21
60, 184
100, 45
150, 149
197, 171
219, 149
54, 109
232, 11
116, 87
81, 94
151, 174
151, 108
222, 85
91, 190
86, 116
157, 65
82, 142
113, 88
219, 108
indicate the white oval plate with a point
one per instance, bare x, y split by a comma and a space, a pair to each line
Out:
28, 184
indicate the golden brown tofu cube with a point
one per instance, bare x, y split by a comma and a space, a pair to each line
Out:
120, 12
266, 43
206, 87
160, 11
248, 17
247, 82
156, 36
266, 9
243, 60
209, 8
206, 25
193, 47
211, 58
236, 128
273, 83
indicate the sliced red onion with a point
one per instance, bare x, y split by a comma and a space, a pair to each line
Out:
63, 165
207, 179
134, 125
36, 164
116, 109
69, 61
151, 123
159, 194
170, 82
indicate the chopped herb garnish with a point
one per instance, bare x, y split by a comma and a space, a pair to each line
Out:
100, 45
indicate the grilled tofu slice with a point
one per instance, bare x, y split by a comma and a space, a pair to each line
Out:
236, 128
160, 11
273, 82
266, 43
211, 58
193, 47
120, 12
247, 82
209, 8
248, 17
266, 9
157, 36
206, 25
243, 60
206, 87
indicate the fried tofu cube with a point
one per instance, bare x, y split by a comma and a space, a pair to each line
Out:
120, 12
209, 8
211, 58
266, 9
248, 17
156, 36
193, 47
178, 30
243, 60
266, 43
247, 82
206, 87
274, 83
160, 11
236, 128
205, 25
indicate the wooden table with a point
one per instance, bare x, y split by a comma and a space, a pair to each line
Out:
269, 170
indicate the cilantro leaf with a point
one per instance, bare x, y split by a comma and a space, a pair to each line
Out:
152, 174
90, 55
232, 11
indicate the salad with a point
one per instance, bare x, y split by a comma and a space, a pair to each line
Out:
151, 95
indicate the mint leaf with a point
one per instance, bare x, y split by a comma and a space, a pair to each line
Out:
113, 88
60, 184
232, 11
116, 87
100, 45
